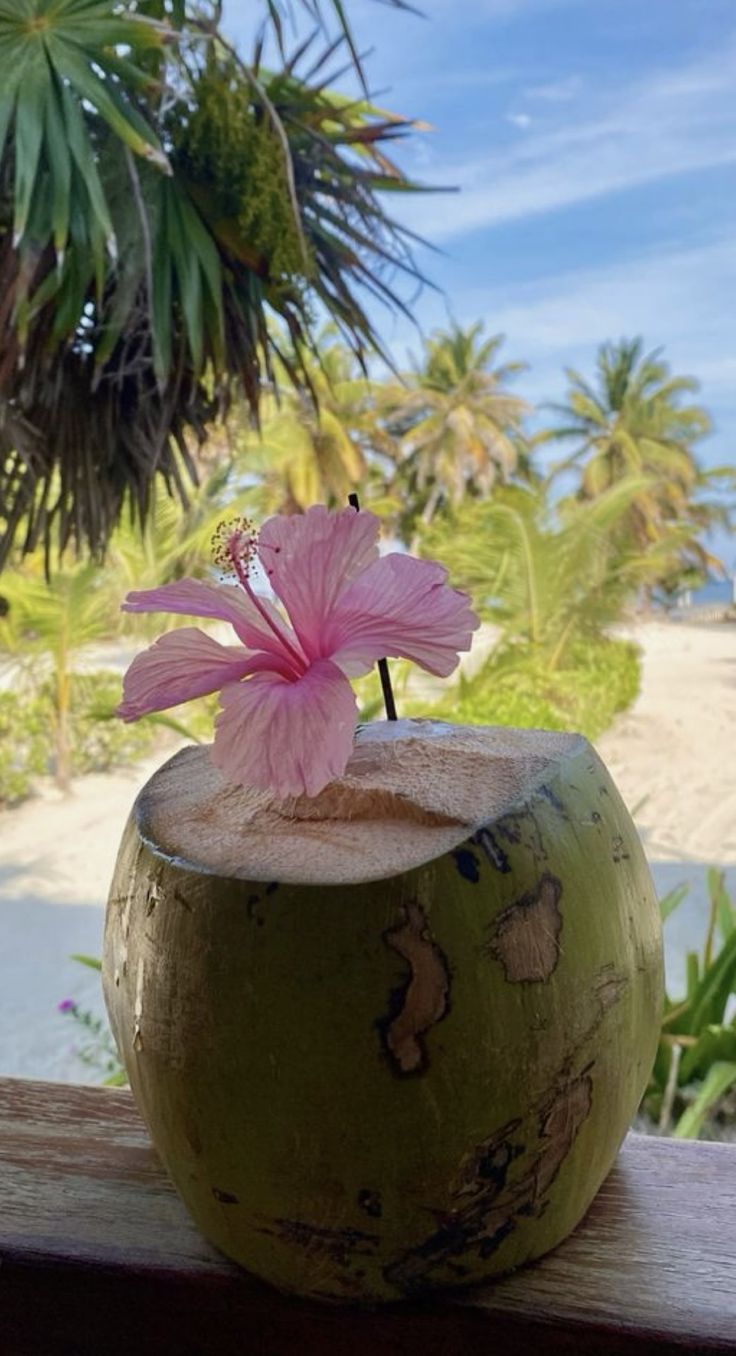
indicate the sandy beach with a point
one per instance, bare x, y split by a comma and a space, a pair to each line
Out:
673, 757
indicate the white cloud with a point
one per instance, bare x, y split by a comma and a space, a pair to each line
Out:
522, 120
557, 91
495, 9
674, 122
672, 296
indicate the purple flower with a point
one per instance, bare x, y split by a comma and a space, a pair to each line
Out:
67, 1005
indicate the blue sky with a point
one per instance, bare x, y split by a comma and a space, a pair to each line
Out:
594, 146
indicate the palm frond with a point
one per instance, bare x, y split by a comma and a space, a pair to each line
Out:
159, 201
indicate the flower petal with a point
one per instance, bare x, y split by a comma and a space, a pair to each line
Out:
400, 607
181, 665
291, 738
311, 558
227, 602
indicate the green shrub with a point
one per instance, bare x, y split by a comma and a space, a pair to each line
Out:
98, 740
99, 1051
23, 747
692, 1090
601, 678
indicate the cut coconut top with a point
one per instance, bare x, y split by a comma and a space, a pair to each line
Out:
413, 789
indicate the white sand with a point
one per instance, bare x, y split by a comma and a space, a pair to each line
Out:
673, 757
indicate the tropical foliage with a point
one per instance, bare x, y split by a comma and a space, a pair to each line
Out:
457, 430
550, 575
310, 447
160, 199
636, 419
550, 581
47, 626
694, 1076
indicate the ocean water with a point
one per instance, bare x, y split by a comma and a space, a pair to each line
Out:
715, 591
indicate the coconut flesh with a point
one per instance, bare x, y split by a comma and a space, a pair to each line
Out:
388, 1039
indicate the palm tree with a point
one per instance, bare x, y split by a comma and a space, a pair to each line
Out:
551, 578
176, 538
48, 623
459, 430
544, 573
160, 197
636, 419
310, 446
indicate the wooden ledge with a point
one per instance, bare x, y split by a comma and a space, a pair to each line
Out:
97, 1256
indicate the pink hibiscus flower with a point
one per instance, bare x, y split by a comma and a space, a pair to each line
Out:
288, 711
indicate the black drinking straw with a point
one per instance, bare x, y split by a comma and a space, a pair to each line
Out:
388, 692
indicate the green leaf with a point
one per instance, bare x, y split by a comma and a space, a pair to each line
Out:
61, 171
170, 723
725, 910
721, 1078
692, 970
82, 154
196, 265
29, 122
712, 993
161, 318
672, 901
91, 962
715, 1044
116, 1080
73, 67
11, 80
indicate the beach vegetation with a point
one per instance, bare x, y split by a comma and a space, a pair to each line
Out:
453, 426
162, 199
552, 573
551, 579
49, 623
693, 1084
636, 419
310, 448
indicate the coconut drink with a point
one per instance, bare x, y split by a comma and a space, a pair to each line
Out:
388, 998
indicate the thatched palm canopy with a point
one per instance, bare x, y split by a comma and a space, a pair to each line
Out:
162, 203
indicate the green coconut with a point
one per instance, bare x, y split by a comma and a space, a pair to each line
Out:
387, 1040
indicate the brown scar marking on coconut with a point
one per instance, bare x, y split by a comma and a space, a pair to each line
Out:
370, 1201
501, 1182
225, 1197
607, 989
138, 1007
608, 986
618, 849
340, 1245
525, 938
489, 844
182, 899
152, 898
547, 793
424, 999
522, 827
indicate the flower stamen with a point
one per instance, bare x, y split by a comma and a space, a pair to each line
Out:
234, 549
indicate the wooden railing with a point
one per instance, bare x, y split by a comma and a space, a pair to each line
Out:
98, 1257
